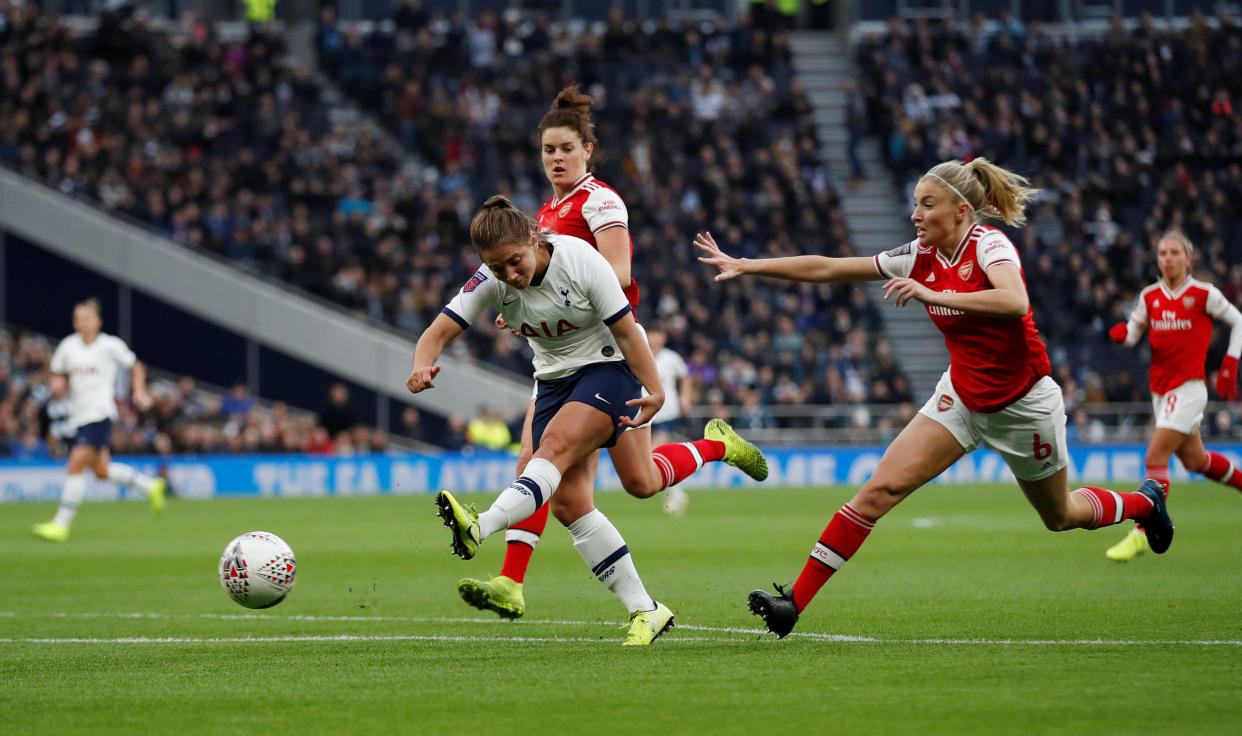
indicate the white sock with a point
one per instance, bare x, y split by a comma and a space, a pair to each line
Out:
125, 476
605, 552
522, 498
70, 498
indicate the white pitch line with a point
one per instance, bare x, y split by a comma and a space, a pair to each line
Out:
811, 636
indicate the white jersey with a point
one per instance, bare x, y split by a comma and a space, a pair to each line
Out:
565, 317
92, 371
672, 369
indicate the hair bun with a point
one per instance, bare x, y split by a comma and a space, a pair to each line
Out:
499, 202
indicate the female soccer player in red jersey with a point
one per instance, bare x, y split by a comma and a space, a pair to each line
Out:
1178, 311
587, 208
997, 391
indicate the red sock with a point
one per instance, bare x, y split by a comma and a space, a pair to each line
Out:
678, 460
1219, 469
840, 540
522, 538
1110, 507
1158, 473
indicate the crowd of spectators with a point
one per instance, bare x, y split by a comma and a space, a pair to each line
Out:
1127, 135
185, 418
702, 126
225, 146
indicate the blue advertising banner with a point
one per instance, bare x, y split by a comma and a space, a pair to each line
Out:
292, 476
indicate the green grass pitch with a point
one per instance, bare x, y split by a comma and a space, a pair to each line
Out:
959, 615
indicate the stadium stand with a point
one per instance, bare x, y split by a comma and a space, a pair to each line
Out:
1128, 134
225, 146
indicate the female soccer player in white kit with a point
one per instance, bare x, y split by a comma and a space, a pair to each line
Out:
88, 361
1177, 312
997, 391
589, 209
591, 364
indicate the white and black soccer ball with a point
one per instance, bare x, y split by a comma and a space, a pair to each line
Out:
258, 569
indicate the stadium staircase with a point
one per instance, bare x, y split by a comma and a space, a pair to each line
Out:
876, 219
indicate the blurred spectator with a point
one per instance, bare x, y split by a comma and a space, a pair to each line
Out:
238, 403
337, 415
487, 430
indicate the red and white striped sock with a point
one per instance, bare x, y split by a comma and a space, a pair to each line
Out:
1220, 469
1110, 507
844, 534
679, 460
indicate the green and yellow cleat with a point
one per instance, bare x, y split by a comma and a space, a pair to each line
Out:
1133, 545
738, 452
51, 531
500, 594
157, 496
463, 521
646, 626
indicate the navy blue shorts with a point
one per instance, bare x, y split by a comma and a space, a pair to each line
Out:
605, 386
96, 434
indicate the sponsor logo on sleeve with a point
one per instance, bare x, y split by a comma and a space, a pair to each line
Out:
901, 250
478, 278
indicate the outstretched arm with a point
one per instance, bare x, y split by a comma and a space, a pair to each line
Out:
427, 351
791, 268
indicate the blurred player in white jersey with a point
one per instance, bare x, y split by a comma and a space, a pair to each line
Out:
591, 364
675, 377
997, 391
85, 366
1177, 313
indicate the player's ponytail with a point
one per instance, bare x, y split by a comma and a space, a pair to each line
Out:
571, 109
990, 190
499, 221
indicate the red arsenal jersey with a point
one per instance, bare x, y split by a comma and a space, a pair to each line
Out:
589, 207
993, 361
1179, 323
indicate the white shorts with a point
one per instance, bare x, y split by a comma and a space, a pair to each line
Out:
1181, 409
1029, 433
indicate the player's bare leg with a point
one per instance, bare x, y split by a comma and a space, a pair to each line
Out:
922, 451
1090, 507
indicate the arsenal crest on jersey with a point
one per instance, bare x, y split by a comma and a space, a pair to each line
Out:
945, 403
1188, 302
565, 210
966, 270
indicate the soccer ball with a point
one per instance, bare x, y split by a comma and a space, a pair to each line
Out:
257, 569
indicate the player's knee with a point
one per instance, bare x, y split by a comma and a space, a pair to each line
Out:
556, 447
101, 472
637, 484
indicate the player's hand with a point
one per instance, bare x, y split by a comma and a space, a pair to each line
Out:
905, 289
420, 379
142, 400
729, 266
501, 324
1118, 332
1227, 379
649, 405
